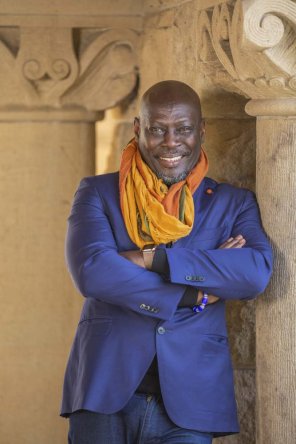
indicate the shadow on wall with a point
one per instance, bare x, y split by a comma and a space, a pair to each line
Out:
112, 135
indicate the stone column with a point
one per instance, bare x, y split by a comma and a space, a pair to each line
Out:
51, 97
276, 311
43, 157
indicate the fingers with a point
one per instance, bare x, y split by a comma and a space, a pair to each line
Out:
134, 256
211, 298
234, 242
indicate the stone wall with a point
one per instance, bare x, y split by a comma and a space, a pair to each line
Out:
62, 64
40, 167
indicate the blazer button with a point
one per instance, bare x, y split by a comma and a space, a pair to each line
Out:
161, 330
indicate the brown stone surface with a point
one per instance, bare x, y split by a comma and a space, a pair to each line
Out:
276, 313
241, 328
231, 148
85, 7
169, 47
41, 166
113, 133
245, 395
49, 75
122, 134
54, 67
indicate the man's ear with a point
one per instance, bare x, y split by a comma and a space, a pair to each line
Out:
137, 128
202, 130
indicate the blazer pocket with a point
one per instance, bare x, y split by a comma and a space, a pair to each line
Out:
95, 326
213, 344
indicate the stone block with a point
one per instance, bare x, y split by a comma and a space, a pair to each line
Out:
245, 395
231, 148
241, 328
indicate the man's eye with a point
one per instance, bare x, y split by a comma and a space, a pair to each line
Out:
156, 131
185, 130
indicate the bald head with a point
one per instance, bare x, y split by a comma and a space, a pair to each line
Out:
167, 94
170, 130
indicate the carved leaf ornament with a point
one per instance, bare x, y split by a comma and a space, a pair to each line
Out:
46, 71
249, 46
108, 71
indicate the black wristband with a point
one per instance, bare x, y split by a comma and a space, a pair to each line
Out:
160, 262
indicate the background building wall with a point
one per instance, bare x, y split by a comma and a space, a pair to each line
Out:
41, 165
62, 64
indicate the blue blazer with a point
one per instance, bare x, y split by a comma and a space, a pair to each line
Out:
125, 305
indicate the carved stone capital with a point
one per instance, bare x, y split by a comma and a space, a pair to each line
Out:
56, 67
272, 107
249, 47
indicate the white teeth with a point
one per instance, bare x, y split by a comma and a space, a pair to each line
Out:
171, 159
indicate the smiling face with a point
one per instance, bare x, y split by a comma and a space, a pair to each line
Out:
169, 132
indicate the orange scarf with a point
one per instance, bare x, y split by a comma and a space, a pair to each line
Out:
154, 213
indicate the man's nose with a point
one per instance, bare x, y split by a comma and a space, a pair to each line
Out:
171, 139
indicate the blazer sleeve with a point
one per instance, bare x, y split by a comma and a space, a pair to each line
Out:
97, 269
228, 273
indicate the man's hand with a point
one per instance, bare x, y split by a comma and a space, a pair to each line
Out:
233, 242
135, 256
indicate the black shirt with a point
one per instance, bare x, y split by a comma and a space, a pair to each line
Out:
150, 382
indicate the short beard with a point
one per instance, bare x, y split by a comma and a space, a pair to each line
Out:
171, 180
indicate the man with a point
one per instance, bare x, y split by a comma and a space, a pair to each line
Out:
156, 250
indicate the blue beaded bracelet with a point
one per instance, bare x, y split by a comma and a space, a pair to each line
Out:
200, 307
